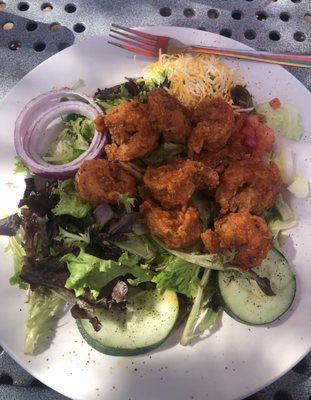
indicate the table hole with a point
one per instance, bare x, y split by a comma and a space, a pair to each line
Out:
63, 46
2, 5
189, 12
261, 16
201, 28
79, 28
23, 6
14, 45
8, 25
70, 8
31, 26
39, 46
165, 11
307, 18
274, 35
285, 16
250, 34
55, 27
212, 13
282, 395
226, 32
1, 351
299, 36
296, 1
5, 379
249, 0
301, 367
237, 14
46, 7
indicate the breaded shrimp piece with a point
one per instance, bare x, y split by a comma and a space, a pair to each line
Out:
178, 228
246, 234
173, 184
99, 181
214, 119
131, 132
168, 116
248, 185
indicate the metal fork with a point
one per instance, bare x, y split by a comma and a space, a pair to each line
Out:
149, 45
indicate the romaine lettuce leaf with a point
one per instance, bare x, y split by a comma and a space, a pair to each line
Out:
285, 120
41, 318
18, 258
69, 201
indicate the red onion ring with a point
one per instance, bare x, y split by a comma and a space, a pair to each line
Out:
33, 120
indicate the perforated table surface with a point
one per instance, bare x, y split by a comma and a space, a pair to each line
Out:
31, 31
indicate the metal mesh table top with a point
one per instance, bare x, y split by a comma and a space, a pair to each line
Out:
33, 30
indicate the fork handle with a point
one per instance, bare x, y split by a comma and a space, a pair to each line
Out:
293, 60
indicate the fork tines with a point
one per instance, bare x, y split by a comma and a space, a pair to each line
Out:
135, 41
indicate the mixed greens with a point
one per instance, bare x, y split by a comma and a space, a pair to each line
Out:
103, 260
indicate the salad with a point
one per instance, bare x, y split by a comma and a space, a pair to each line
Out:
154, 205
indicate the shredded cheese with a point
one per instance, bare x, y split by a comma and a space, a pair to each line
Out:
193, 77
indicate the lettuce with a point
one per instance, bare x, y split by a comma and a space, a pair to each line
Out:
69, 201
280, 217
285, 120
74, 239
18, 259
178, 275
88, 271
284, 160
299, 187
205, 260
196, 310
139, 245
127, 201
41, 318
72, 141
20, 168
164, 153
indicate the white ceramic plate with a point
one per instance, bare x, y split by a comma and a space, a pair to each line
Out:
237, 359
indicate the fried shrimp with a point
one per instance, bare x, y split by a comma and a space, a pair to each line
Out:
168, 116
246, 234
131, 132
99, 181
248, 185
173, 184
214, 119
178, 228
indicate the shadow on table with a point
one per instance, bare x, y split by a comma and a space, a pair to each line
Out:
25, 43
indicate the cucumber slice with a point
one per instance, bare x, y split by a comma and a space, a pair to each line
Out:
147, 322
244, 301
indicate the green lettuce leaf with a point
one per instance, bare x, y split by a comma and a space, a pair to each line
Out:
285, 120
178, 275
69, 201
127, 201
19, 253
72, 141
139, 245
74, 239
211, 261
41, 318
280, 217
164, 153
20, 168
88, 271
